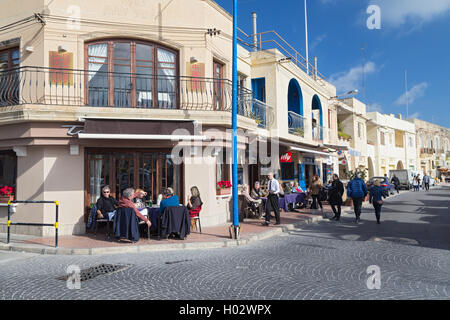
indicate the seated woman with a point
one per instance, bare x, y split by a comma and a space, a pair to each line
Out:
256, 202
257, 192
126, 202
169, 200
139, 201
297, 187
287, 188
106, 204
194, 205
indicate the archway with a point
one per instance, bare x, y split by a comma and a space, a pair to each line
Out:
317, 105
370, 167
295, 97
400, 165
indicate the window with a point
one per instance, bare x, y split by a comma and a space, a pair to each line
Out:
287, 171
382, 139
218, 75
222, 167
9, 79
411, 143
359, 129
122, 73
8, 168
149, 170
329, 119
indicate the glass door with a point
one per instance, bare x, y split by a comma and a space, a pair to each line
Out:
124, 172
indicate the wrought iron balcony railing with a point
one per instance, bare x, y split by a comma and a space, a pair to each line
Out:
296, 124
70, 87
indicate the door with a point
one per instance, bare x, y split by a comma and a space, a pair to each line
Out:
218, 76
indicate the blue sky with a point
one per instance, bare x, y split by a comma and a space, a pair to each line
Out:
414, 35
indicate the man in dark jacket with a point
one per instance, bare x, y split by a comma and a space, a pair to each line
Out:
396, 183
335, 197
357, 190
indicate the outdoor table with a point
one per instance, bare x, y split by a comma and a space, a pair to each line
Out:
283, 202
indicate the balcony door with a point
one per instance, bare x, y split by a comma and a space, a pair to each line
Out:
126, 73
218, 75
9, 76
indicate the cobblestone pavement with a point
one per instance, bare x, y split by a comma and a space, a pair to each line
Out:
326, 260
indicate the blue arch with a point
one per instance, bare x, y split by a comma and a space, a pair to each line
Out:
317, 105
295, 97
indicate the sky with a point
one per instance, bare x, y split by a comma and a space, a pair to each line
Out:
413, 35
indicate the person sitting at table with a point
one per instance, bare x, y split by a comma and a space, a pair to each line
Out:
106, 204
287, 188
257, 192
194, 206
126, 202
139, 201
257, 203
297, 187
169, 200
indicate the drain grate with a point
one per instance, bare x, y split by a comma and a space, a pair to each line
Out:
92, 272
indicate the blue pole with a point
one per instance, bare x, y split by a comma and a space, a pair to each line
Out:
234, 124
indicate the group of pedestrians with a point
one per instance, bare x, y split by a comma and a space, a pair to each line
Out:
426, 182
357, 191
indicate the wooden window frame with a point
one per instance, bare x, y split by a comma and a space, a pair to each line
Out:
133, 62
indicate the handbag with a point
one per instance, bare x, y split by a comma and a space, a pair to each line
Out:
380, 202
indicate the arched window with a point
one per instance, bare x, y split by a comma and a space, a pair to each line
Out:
131, 73
295, 97
317, 124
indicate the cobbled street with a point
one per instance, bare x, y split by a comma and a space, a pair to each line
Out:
325, 260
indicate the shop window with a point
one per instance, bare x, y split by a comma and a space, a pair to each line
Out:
8, 169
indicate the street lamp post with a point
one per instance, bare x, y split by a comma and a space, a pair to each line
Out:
235, 226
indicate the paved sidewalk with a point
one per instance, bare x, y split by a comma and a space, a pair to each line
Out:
212, 237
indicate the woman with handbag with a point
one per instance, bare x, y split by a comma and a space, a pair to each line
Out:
376, 198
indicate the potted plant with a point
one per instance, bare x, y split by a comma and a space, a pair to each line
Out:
6, 194
299, 132
223, 188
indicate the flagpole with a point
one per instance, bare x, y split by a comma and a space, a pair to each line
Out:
235, 231
306, 37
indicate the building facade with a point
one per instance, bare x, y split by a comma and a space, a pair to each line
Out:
102, 93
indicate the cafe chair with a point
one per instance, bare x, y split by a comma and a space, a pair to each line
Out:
174, 220
93, 222
196, 219
126, 225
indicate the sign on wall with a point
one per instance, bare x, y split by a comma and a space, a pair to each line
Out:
287, 157
62, 60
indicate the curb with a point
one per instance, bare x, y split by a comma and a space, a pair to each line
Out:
162, 247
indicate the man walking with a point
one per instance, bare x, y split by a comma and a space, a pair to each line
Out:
357, 190
426, 181
272, 200
396, 183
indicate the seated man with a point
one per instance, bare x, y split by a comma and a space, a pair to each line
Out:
126, 202
169, 200
139, 201
106, 205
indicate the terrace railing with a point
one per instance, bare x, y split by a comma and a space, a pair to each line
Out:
296, 124
71, 87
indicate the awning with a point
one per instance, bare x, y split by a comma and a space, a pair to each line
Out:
310, 151
139, 130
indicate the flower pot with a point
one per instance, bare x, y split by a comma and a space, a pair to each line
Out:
223, 191
6, 199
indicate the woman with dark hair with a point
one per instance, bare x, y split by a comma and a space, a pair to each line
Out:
335, 196
194, 205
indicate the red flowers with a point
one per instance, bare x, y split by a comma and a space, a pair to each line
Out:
223, 184
6, 191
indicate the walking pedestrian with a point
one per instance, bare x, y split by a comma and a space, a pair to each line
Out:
415, 184
418, 182
376, 198
316, 186
335, 196
272, 200
426, 182
357, 190
396, 183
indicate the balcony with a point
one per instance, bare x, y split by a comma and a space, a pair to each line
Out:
426, 151
70, 87
296, 124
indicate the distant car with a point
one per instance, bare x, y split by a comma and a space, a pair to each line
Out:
388, 187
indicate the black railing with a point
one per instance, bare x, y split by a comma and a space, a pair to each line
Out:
71, 87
